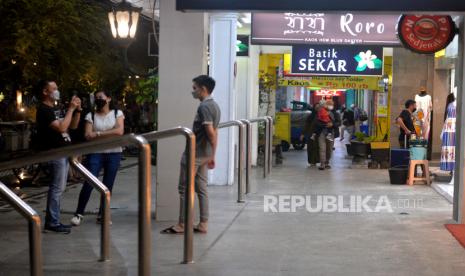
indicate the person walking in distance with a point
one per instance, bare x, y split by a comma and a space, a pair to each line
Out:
52, 133
206, 131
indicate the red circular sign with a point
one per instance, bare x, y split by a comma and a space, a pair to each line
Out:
426, 34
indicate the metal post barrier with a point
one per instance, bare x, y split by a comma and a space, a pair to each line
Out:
35, 248
241, 126
144, 240
105, 201
248, 154
267, 142
270, 136
190, 189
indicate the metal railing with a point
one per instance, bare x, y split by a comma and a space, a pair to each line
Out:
241, 126
248, 154
35, 240
144, 179
105, 202
268, 144
190, 189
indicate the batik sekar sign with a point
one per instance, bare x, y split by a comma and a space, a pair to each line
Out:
324, 28
337, 60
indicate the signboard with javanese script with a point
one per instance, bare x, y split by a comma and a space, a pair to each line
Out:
324, 28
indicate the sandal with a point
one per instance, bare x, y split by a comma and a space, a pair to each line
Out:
171, 230
197, 230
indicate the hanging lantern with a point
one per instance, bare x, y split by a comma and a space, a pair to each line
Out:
123, 22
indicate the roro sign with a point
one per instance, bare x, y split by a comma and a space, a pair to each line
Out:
337, 60
324, 28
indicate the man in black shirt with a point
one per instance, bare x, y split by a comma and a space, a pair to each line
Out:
52, 132
405, 122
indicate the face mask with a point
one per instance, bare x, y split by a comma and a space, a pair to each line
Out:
195, 94
100, 103
56, 95
330, 107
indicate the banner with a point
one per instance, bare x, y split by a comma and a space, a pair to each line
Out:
317, 82
324, 28
337, 60
334, 5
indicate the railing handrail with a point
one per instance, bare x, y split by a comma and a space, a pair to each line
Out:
190, 178
35, 248
63, 152
241, 127
144, 179
104, 201
268, 142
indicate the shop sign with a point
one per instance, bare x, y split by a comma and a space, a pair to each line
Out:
328, 93
324, 28
370, 83
426, 34
333, 5
337, 60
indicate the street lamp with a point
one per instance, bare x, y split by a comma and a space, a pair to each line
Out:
123, 22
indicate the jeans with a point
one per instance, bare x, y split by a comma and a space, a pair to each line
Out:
201, 182
94, 163
59, 173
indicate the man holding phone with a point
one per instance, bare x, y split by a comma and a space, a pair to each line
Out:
52, 132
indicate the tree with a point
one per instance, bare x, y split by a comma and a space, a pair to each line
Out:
64, 40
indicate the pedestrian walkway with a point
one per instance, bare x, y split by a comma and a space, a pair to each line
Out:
244, 240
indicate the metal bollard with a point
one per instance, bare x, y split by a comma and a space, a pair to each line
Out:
270, 135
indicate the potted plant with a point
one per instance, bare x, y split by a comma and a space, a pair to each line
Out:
360, 146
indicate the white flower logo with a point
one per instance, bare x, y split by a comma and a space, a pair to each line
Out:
367, 60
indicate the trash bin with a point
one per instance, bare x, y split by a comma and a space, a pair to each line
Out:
398, 175
11, 140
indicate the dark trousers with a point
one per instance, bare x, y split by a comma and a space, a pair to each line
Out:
95, 162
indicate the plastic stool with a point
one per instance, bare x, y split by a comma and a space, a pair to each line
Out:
425, 171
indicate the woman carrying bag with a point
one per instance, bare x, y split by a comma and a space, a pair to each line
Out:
103, 123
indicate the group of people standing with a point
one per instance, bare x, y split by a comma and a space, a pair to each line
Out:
54, 126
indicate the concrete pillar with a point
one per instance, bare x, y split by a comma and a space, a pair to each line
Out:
459, 191
183, 39
223, 38
410, 71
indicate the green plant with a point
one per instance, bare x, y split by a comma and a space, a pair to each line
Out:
362, 137
146, 90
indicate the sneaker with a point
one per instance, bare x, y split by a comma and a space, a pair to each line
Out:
60, 228
313, 136
327, 167
321, 168
76, 220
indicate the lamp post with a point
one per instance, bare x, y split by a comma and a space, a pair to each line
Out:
124, 20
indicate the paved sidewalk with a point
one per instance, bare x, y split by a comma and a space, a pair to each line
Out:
244, 240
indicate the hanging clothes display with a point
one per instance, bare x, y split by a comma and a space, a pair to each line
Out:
448, 140
424, 107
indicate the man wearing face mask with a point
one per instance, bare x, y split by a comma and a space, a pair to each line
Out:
52, 132
405, 122
206, 131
